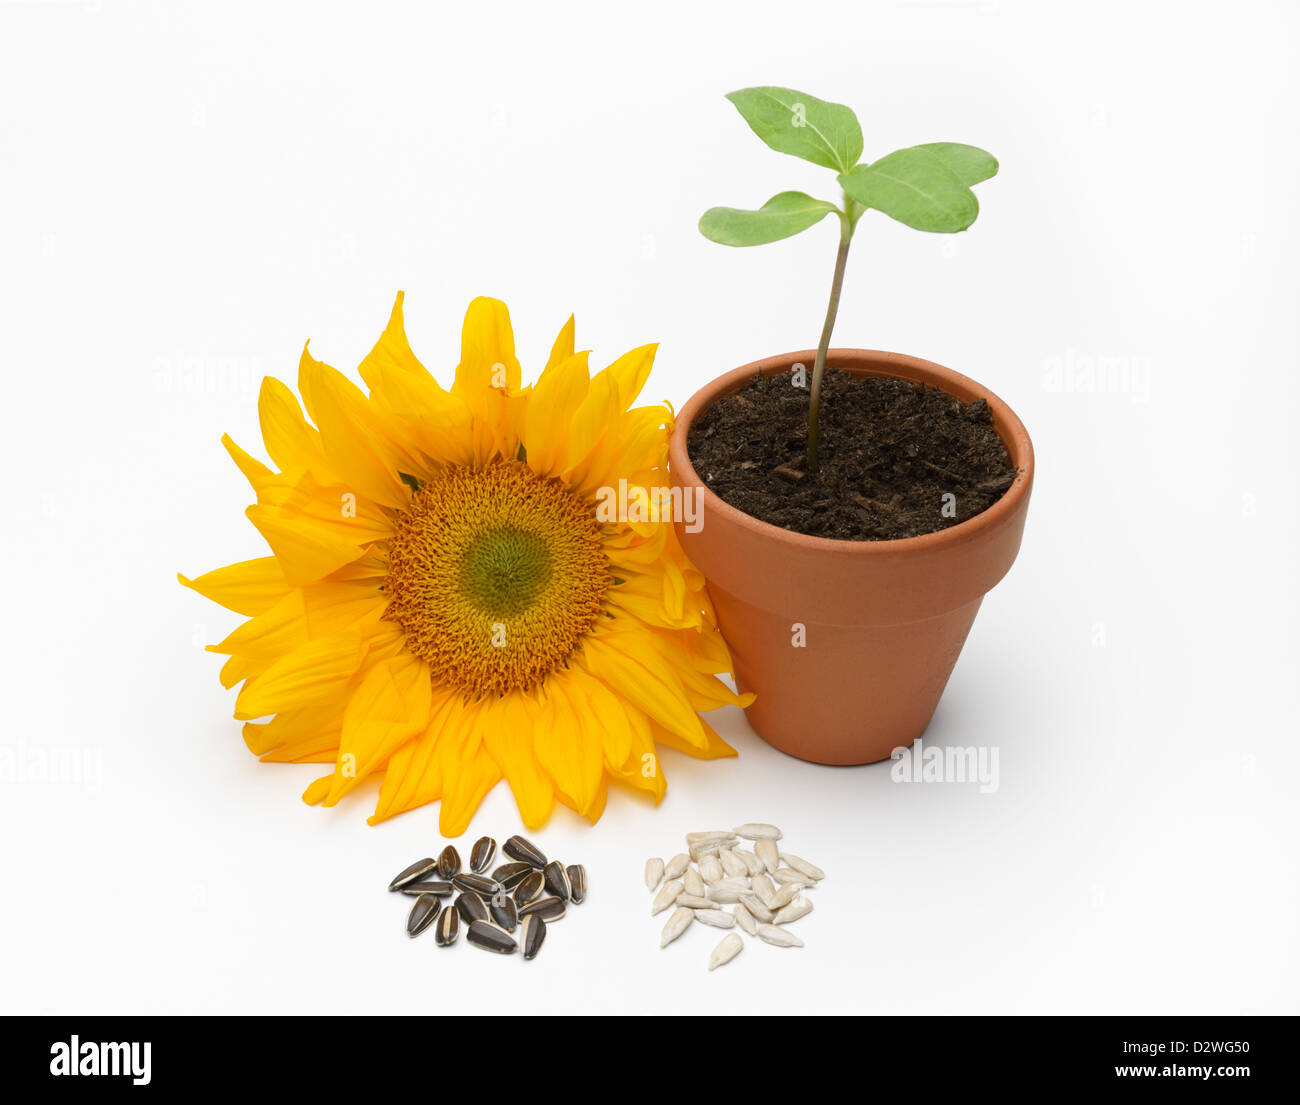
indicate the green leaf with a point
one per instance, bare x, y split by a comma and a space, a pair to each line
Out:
802, 125
916, 187
969, 164
782, 216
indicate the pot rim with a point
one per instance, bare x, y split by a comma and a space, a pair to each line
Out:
1012, 431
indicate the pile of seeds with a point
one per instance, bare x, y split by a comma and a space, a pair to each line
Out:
763, 886
526, 894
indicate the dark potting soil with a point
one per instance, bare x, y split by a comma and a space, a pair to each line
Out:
897, 458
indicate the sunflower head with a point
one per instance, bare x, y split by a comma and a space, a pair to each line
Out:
496, 575
447, 600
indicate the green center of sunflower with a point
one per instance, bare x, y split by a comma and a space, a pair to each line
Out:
495, 576
504, 570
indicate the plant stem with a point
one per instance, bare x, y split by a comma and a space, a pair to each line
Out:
819, 366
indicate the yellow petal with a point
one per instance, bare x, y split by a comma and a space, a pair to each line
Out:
291, 442
551, 407
642, 770
632, 443
487, 349
389, 707
254, 470
249, 587
567, 741
355, 444
237, 669
507, 728
629, 373
320, 748
270, 634
641, 594
319, 720
432, 427
562, 350
469, 770
392, 351
486, 379
611, 718
306, 550
333, 607
597, 807
317, 790
713, 746
315, 529
643, 681
308, 673
596, 424
413, 776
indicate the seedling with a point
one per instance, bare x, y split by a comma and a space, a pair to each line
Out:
925, 187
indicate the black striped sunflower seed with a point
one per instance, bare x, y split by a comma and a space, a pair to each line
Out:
490, 938
577, 883
442, 889
511, 875
471, 907
548, 909
424, 911
414, 873
530, 888
481, 885
525, 851
448, 863
557, 882
505, 911
448, 928
482, 854
532, 934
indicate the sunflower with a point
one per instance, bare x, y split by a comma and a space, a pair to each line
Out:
447, 603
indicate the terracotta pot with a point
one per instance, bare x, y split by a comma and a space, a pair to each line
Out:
883, 621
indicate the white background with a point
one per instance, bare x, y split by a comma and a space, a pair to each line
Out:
189, 191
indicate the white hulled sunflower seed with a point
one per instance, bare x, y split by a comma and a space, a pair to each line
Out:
691, 901
711, 869
811, 870
677, 924
784, 895
756, 909
711, 837
756, 830
676, 867
654, 872
668, 894
779, 937
753, 864
764, 889
726, 951
728, 890
745, 919
732, 864
800, 907
693, 883
767, 851
718, 918
785, 875
700, 849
